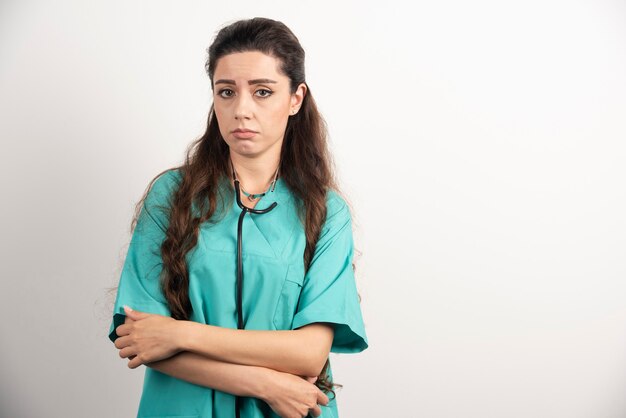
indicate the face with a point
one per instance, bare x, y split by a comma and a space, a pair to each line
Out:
249, 93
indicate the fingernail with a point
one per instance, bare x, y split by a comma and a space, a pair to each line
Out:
128, 307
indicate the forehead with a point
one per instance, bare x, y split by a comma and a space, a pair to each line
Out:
248, 65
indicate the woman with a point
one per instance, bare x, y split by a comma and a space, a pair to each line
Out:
238, 280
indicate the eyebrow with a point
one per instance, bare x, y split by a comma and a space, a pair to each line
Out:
250, 82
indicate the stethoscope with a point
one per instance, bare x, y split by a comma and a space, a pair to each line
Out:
244, 210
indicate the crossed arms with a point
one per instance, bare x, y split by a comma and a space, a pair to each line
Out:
243, 362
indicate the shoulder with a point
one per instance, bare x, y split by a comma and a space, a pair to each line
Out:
337, 211
335, 203
163, 186
166, 182
159, 195
338, 223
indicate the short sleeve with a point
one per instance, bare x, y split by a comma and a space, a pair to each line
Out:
139, 284
329, 292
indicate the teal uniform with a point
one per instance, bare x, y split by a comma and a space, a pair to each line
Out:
277, 295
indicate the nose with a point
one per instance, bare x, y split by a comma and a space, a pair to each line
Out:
243, 107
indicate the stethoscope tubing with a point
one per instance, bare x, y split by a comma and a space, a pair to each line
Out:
244, 209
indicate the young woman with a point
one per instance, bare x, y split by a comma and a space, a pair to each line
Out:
239, 280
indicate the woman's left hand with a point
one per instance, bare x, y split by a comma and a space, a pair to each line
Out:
147, 337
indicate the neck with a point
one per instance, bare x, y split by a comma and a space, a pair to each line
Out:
254, 174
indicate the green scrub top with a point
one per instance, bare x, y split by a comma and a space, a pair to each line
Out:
277, 295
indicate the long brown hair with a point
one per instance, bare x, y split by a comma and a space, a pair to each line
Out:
306, 165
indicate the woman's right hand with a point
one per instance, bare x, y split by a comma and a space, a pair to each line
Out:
292, 396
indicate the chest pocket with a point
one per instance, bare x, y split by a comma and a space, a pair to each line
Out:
289, 296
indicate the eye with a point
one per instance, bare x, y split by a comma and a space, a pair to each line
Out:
265, 93
228, 92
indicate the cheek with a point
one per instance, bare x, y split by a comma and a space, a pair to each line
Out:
219, 112
222, 121
222, 115
279, 112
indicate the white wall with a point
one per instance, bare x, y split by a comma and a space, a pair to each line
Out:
481, 143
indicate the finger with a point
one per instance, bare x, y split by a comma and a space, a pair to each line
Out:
311, 379
134, 363
127, 352
122, 330
315, 411
121, 342
322, 399
135, 315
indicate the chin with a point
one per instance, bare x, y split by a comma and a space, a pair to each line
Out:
248, 149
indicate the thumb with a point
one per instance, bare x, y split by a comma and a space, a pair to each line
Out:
311, 379
132, 314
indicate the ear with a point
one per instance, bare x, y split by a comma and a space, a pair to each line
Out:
297, 97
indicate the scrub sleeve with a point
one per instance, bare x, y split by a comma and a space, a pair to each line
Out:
139, 284
329, 291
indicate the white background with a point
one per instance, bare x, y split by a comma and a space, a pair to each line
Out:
481, 145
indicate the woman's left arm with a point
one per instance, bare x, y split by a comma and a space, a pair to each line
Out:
152, 337
302, 351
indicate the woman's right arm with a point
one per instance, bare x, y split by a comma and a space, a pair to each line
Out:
249, 381
285, 393
288, 395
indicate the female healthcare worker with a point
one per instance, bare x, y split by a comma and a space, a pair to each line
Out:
233, 299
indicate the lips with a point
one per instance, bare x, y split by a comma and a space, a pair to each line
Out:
244, 133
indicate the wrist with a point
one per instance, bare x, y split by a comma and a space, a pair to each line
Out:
186, 338
263, 384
